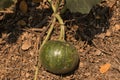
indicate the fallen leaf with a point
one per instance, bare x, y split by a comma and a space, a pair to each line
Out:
26, 45
108, 33
27, 75
21, 23
81, 64
104, 68
102, 36
23, 6
97, 52
116, 27
24, 35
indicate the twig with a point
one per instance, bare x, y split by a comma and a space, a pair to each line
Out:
36, 72
95, 45
6, 12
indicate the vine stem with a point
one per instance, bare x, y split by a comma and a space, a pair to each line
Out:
48, 34
60, 20
62, 30
46, 39
49, 31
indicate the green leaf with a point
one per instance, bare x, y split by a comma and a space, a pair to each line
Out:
82, 6
6, 3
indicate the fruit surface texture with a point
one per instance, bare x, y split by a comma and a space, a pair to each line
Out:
59, 57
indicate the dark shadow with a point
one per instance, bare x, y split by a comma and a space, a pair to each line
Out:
34, 18
96, 22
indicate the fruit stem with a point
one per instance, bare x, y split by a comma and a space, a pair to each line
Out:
60, 20
62, 30
55, 15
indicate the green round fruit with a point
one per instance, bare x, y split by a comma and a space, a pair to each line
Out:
59, 57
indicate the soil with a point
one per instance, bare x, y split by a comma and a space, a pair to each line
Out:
96, 36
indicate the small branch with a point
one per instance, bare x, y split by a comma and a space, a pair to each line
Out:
95, 45
6, 11
36, 72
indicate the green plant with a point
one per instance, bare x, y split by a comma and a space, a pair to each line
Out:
64, 62
82, 6
7, 4
48, 48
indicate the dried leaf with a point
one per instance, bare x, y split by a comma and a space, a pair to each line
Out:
21, 23
26, 45
104, 68
23, 6
116, 27
108, 33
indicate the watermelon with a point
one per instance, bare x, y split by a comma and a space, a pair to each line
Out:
59, 57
